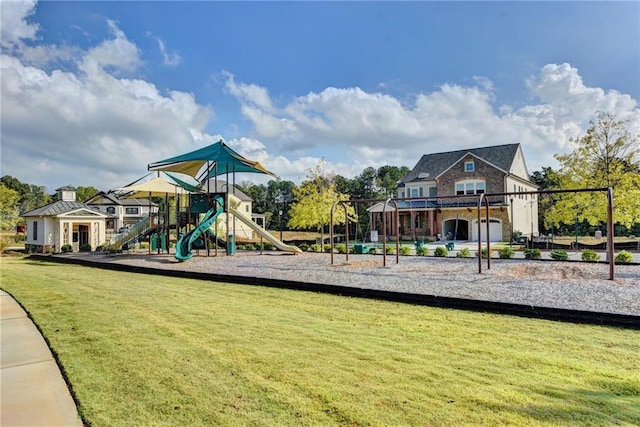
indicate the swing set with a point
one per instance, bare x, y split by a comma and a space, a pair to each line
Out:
483, 201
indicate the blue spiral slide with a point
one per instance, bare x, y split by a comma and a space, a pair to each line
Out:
185, 242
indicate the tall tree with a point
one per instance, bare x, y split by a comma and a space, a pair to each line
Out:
9, 202
387, 178
280, 196
30, 196
258, 194
85, 193
605, 157
313, 201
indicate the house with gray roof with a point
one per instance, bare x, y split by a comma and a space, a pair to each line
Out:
64, 222
463, 174
237, 228
121, 212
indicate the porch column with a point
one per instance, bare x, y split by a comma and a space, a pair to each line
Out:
412, 218
432, 224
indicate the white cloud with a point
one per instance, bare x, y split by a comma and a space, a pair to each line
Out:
118, 54
249, 94
376, 129
171, 59
91, 129
94, 127
14, 28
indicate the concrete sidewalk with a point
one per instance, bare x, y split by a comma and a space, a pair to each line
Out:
32, 388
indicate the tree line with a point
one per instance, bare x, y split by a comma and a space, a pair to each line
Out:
606, 156
17, 197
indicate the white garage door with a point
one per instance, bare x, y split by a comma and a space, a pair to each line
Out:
495, 230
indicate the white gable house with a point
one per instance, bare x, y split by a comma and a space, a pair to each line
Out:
64, 222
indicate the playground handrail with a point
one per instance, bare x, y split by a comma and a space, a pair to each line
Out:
137, 229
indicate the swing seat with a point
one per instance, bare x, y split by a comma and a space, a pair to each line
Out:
450, 246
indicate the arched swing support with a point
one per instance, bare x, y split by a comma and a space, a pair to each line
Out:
344, 204
483, 200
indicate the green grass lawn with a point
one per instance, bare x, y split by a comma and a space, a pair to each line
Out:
141, 350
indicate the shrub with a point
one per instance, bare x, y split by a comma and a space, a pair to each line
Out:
422, 251
316, 247
241, 247
66, 248
623, 257
85, 247
405, 250
304, 247
505, 252
517, 234
532, 253
250, 247
440, 251
559, 255
268, 246
391, 249
21, 238
326, 247
4, 244
590, 255
372, 251
144, 246
464, 253
485, 253
99, 248
341, 248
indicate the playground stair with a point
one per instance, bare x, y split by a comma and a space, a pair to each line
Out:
140, 228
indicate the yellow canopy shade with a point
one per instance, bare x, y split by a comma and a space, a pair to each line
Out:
156, 187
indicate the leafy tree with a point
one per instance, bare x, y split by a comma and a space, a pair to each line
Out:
313, 201
280, 196
343, 185
546, 179
30, 196
9, 202
387, 178
85, 193
604, 157
258, 193
364, 186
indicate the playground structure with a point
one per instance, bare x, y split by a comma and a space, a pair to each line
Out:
202, 217
483, 201
213, 225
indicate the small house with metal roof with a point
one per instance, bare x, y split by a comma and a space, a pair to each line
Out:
64, 222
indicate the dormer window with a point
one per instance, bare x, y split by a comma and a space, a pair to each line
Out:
469, 166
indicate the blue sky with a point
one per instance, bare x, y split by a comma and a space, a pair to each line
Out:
113, 86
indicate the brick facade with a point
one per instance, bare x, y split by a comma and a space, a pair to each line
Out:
493, 177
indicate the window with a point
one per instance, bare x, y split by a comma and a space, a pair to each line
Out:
415, 192
111, 210
246, 208
470, 187
131, 211
433, 191
35, 230
469, 166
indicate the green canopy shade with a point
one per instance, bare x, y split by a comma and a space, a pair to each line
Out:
219, 159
